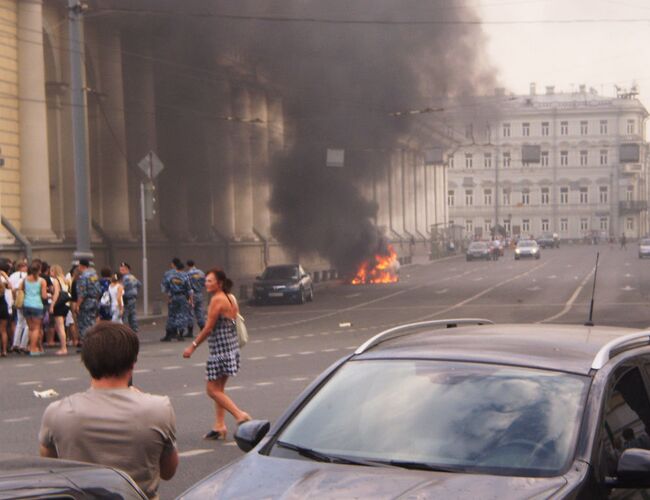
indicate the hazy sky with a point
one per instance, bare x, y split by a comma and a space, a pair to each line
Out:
598, 54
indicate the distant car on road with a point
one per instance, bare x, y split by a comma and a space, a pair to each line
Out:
547, 240
527, 249
484, 410
478, 250
36, 477
644, 248
284, 282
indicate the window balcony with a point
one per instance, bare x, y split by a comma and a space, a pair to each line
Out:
631, 207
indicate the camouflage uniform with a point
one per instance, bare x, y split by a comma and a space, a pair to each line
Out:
177, 287
89, 291
196, 277
131, 286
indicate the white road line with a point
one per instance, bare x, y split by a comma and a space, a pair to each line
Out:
30, 382
230, 443
14, 420
68, 379
293, 337
193, 453
174, 367
276, 339
256, 358
197, 393
198, 364
444, 290
260, 384
325, 333
352, 295
331, 349
309, 335
258, 341
304, 353
24, 365
166, 350
572, 299
283, 355
235, 387
55, 362
351, 347
299, 379
142, 370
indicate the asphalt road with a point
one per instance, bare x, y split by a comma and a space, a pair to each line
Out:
292, 344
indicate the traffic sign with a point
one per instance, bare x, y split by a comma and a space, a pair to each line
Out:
151, 165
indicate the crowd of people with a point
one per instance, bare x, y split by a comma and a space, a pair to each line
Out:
41, 306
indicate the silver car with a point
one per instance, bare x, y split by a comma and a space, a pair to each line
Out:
527, 249
644, 248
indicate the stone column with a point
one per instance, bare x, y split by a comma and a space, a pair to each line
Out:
242, 165
260, 162
34, 161
114, 170
277, 132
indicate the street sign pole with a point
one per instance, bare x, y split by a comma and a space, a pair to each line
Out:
145, 263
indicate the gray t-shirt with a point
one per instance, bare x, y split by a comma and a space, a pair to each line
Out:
120, 428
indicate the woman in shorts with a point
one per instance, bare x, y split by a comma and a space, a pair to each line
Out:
35, 290
59, 308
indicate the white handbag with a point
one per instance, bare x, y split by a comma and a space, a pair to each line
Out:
242, 332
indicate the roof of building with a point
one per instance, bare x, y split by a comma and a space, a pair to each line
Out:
569, 348
572, 100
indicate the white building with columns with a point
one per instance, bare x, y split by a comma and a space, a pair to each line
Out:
586, 174
215, 134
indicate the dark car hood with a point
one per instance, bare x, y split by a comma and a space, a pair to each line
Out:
257, 476
287, 282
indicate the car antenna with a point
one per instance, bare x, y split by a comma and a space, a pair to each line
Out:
590, 321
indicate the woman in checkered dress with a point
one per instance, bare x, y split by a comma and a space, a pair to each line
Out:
223, 360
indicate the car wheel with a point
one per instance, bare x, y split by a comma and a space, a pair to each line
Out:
310, 297
302, 298
516, 257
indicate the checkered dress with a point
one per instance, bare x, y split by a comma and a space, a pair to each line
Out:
224, 350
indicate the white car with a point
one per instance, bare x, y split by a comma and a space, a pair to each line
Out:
644, 248
527, 248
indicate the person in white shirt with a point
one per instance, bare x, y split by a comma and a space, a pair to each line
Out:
21, 332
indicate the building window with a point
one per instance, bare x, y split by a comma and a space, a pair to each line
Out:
544, 158
525, 225
506, 196
487, 226
487, 160
469, 226
469, 161
469, 197
506, 159
584, 224
564, 128
629, 224
584, 195
506, 130
564, 158
487, 197
506, 225
630, 126
603, 127
584, 128
564, 195
525, 129
545, 225
604, 224
544, 128
451, 161
584, 158
450, 198
629, 193
564, 225
603, 157
525, 197
545, 196
603, 194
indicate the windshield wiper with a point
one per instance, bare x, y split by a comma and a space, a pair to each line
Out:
405, 464
319, 456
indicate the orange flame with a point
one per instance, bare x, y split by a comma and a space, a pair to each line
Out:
379, 269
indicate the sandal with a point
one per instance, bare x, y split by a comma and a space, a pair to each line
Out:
61, 352
215, 435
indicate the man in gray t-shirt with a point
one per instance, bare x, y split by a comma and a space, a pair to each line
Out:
113, 424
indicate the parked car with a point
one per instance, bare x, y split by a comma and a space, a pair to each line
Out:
478, 250
644, 248
527, 249
547, 240
36, 477
284, 282
468, 410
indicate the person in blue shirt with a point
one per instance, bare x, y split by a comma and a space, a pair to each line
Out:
178, 290
196, 278
131, 286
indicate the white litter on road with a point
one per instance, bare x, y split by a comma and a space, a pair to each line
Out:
49, 393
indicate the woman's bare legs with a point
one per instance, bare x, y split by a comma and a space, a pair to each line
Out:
216, 391
34, 325
4, 336
60, 330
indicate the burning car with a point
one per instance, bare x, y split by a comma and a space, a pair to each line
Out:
381, 268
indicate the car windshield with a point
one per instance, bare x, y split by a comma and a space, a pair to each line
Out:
478, 245
280, 273
527, 243
443, 415
645, 242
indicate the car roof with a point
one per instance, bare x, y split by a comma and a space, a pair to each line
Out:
569, 348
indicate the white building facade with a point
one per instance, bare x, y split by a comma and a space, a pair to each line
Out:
574, 164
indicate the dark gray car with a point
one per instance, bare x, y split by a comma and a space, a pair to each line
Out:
288, 282
474, 410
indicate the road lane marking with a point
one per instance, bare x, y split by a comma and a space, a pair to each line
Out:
68, 379
55, 362
174, 367
299, 379
352, 295
24, 365
628, 288
198, 364
196, 393
260, 384
142, 370
257, 341
283, 355
235, 387
193, 453
256, 358
293, 337
331, 349
571, 300
276, 339
14, 420
230, 443
309, 335
444, 290
304, 353
30, 382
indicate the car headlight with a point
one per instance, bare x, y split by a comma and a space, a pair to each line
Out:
534, 250
293, 287
517, 250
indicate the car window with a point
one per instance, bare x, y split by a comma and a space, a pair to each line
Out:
474, 417
280, 273
627, 420
645, 242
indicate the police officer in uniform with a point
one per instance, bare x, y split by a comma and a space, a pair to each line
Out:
88, 294
131, 286
196, 278
177, 287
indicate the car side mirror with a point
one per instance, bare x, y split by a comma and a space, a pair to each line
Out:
633, 469
250, 433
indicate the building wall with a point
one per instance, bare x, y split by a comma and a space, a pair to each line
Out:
585, 179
